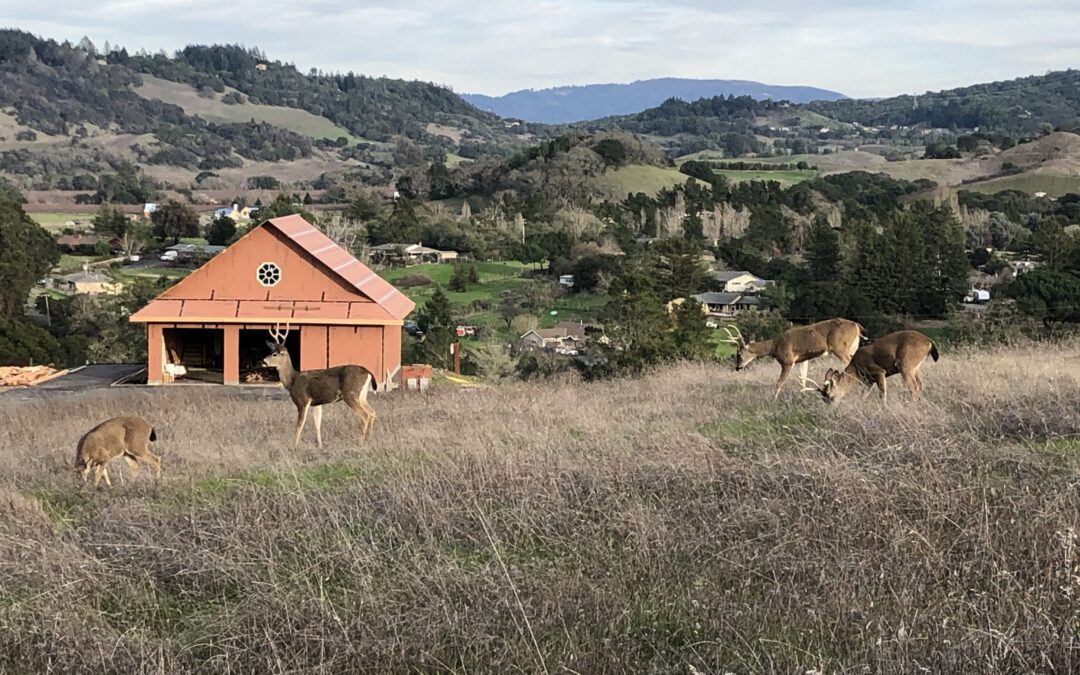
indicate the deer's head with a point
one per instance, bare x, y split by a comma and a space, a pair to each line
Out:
279, 355
836, 386
744, 355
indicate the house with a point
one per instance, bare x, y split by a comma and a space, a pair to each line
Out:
235, 212
409, 254
566, 280
91, 283
284, 273
728, 305
566, 338
741, 281
260, 67
148, 209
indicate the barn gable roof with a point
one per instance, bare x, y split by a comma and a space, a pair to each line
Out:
379, 301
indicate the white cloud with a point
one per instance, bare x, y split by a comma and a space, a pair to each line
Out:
868, 48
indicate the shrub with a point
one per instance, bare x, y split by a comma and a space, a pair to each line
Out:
413, 280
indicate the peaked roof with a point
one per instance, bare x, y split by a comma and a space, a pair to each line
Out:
386, 301
343, 264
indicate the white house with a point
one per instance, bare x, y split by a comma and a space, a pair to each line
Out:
741, 281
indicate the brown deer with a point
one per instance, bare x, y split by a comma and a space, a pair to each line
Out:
902, 352
127, 436
312, 389
800, 345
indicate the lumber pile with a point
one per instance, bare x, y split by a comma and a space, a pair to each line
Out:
25, 376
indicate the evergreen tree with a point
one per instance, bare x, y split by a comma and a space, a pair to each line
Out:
27, 253
691, 335
174, 220
221, 231
637, 328
436, 313
459, 279
823, 252
110, 221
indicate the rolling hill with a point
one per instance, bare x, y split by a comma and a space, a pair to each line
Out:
562, 105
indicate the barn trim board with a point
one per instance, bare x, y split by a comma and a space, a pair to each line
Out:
285, 271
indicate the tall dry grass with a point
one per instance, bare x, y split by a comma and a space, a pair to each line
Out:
680, 520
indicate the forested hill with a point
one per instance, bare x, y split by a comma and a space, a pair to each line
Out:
375, 108
1016, 107
74, 109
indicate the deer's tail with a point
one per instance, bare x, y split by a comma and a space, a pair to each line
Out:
153, 432
933, 351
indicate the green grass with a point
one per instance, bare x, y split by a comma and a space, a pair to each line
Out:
72, 263
453, 160
772, 423
1053, 186
59, 220
152, 272
641, 178
785, 178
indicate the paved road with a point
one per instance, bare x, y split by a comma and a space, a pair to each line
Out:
99, 379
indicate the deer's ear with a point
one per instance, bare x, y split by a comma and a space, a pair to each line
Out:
271, 345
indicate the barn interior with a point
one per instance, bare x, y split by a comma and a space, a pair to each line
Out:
253, 349
201, 352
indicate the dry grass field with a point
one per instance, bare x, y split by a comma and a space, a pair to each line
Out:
676, 523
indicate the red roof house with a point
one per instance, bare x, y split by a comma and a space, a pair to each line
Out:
285, 272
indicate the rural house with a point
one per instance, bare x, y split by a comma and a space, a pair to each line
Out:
409, 254
566, 338
214, 323
741, 281
728, 305
81, 243
91, 283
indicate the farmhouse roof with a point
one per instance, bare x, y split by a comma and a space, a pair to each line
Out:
78, 240
386, 302
714, 298
728, 275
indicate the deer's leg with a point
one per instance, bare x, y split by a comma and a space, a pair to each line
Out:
131, 462
316, 417
881, 387
150, 458
804, 368
301, 419
785, 368
102, 472
912, 384
364, 413
370, 418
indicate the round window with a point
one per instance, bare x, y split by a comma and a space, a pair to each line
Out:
268, 274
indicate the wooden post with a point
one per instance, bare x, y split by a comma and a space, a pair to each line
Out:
155, 354
232, 355
455, 349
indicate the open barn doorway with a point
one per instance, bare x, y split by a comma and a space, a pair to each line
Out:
195, 354
253, 349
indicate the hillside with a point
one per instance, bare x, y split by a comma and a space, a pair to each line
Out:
561, 105
681, 522
66, 111
1018, 107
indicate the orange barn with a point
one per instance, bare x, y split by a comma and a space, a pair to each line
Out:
214, 323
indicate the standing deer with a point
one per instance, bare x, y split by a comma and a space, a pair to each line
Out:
312, 389
127, 436
800, 345
902, 352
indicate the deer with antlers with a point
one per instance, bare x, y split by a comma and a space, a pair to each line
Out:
901, 352
312, 389
799, 345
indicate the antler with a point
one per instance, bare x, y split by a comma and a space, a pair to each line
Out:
733, 335
279, 335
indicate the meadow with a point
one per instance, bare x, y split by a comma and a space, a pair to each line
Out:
677, 522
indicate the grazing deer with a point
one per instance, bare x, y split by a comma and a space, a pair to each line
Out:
127, 436
312, 389
902, 352
799, 345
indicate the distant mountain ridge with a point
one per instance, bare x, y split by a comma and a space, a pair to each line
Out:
564, 105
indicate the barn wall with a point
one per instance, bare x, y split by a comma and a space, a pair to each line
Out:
313, 348
359, 345
391, 351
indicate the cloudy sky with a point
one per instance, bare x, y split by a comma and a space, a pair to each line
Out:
858, 47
